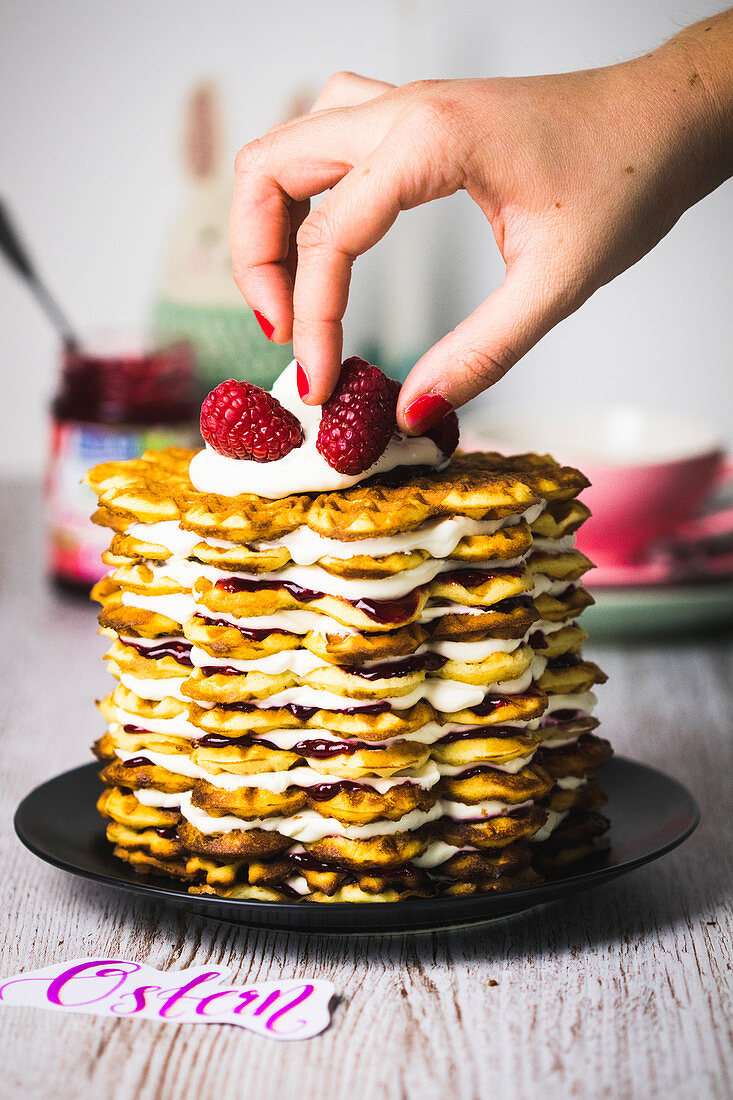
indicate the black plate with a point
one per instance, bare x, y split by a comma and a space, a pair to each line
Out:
650, 814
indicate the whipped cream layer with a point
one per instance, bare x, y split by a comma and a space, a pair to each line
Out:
309, 826
439, 537
303, 470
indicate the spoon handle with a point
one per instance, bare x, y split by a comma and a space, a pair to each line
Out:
15, 253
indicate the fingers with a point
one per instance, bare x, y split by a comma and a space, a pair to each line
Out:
350, 220
482, 348
349, 89
262, 227
274, 177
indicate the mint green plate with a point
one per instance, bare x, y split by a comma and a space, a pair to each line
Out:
659, 610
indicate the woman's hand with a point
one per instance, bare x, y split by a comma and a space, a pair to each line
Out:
578, 175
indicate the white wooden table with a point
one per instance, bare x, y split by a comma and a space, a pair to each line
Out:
620, 992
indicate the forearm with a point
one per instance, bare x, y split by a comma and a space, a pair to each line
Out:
690, 89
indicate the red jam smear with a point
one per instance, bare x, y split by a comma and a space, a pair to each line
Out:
474, 578
382, 611
492, 702
403, 666
557, 717
565, 660
179, 651
322, 792
320, 749
317, 748
477, 769
478, 732
304, 861
251, 634
303, 713
246, 741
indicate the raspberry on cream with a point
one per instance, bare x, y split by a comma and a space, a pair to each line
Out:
302, 470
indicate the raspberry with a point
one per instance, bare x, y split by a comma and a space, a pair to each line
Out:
444, 434
358, 419
242, 421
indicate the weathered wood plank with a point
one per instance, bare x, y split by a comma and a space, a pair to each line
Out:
621, 992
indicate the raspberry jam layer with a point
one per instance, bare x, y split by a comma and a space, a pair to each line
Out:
405, 666
475, 578
179, 651
492, 702
320, 749
565, 660
246, 741
381, 611
221, 670
477, 732
478, 769
383, 670
317, 748
322, 792
304, 861
559, 717
251, 635
304, 713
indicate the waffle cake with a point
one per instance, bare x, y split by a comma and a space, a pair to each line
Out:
363, 694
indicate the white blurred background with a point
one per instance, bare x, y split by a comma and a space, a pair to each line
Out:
91, 101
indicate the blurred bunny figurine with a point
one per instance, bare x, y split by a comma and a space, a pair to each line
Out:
198, 300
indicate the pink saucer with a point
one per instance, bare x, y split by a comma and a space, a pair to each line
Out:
629, 574
662, 570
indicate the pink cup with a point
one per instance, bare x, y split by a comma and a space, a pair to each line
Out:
650, 473
636, 507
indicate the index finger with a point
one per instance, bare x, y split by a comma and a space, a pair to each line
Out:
274, 178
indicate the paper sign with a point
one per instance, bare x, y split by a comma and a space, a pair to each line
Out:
285, 1010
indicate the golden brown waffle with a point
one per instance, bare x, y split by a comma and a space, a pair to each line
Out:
156, 487
372, 788
150, 489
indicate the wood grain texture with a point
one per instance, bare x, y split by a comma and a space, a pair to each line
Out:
620, 992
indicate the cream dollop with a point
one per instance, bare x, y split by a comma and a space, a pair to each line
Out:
303, 470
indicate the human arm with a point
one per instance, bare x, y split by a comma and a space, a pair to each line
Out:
578, 174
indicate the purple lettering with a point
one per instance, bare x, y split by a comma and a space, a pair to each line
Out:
306, 992
139, 1000
247, 997
179, 994
206, 1001
103, 968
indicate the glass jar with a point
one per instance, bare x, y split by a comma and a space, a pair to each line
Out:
109, 406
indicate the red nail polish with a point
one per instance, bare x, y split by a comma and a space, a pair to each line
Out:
302, 381
264, 324
425, 411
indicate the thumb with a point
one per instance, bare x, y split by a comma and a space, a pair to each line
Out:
479, 351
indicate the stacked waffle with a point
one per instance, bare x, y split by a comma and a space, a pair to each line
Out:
361, 695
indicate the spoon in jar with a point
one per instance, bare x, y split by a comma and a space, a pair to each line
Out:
17, 256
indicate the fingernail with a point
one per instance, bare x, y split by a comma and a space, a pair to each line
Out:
302, 381
425, 411
264, 324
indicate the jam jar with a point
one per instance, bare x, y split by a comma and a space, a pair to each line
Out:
109, 406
